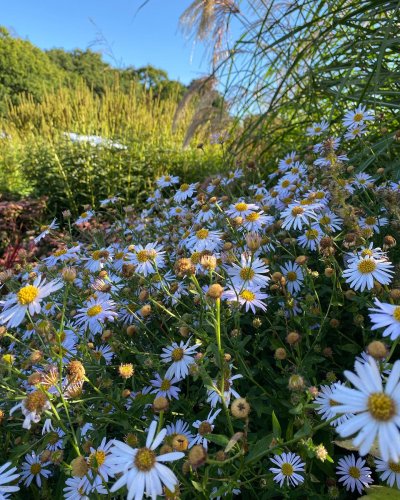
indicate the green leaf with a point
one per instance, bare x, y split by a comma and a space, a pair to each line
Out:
198, 486
381, 493
276, 426
258, 450
219, 439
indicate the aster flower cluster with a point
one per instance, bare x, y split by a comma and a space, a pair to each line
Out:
234, 336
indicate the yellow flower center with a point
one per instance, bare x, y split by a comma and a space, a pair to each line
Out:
285, 183
366, 266
97, 459
312, 234
381, 406
291, 276
94, 310
142, 256
394, 467
84, 215
288, 161
354, 472
253, 217
247, 273
287, 469
27, 294
177, 354
358, 117
35, 468
247, 295
184, 187
332, 402
96, 254
53, 437
320, 195
371, 220
165, 385
297, 211
205, 428
317, 129
366, 252
202, 234
195, 257
396, 313
167, 178
145, 459
241, 207
119, 255
325, 220
62, 251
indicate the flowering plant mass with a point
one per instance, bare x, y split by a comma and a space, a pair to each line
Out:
234, 338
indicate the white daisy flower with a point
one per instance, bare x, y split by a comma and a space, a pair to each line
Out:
7, 475
241, 209
287, 162
97, 260
107, 201
45, 230
386, 316
103, 352
311, 238
389, 472
141, 469
62, 254
84, 217
99, 460
204, 427
362, 180
34, 468
54, 439
362, 271
250, 297
255, 221
27, 299
95, 313
353, 473
374, 223
147, 259
166, 181
181, 357
74, 489
184, 192
213, 394
204, 239
325, 404
356, 131
357, 117
164, 387
317, 128
297, 216
179, 427
329, 222
251, 272
376, 409
294, 277
289, 466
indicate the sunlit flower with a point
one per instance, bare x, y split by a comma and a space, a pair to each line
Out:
34, 468
95, 313
204, 427
386, 316
376, 409
353, 473
250, 272
293, 275
362, 272
181, 357
46, 230
250, 297
141, 469
164, 387
27, 299
147, 259
357, 117
288, 467
389, 472
184, 192
7, 475
297, 216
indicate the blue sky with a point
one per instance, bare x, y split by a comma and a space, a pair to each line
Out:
150, 36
